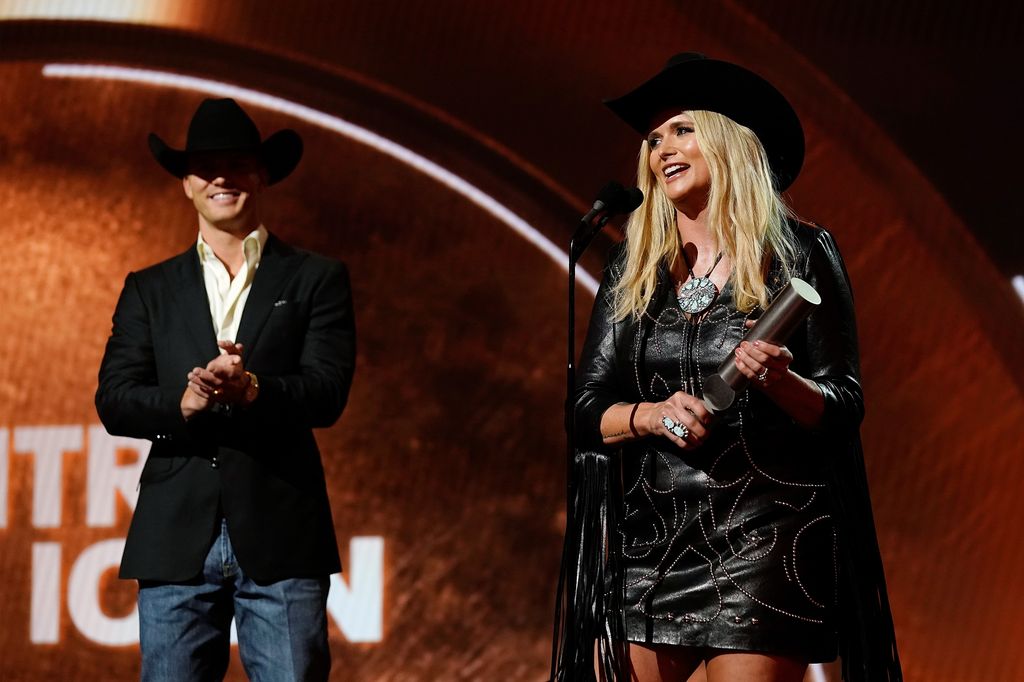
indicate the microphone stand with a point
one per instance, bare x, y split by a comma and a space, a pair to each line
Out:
581, 605
575, 252
577, 245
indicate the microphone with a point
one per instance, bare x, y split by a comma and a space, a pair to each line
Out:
631, 200
612, 200
608, 195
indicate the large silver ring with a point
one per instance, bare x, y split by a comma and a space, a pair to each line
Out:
763, 375
677, 430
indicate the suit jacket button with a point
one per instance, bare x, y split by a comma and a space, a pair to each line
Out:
213, 463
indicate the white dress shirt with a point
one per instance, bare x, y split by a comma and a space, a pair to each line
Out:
227, 295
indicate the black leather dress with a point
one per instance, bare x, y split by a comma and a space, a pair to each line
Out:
733, 544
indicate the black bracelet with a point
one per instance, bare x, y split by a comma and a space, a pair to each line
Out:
632, 426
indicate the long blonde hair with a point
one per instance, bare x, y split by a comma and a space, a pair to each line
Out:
746, 217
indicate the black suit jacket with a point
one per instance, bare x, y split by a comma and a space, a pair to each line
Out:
259, 467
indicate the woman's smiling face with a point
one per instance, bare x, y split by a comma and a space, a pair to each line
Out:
678, 164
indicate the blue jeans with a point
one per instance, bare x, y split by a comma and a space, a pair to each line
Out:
184, 628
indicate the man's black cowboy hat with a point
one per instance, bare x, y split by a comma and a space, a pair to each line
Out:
691, 81
221, 125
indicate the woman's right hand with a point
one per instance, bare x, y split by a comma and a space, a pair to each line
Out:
683, 410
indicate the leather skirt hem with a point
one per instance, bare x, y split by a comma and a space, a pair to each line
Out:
820, 647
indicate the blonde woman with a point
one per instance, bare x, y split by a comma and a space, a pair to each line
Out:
747, 543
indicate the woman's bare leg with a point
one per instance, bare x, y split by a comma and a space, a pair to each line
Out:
662, 662
733, 666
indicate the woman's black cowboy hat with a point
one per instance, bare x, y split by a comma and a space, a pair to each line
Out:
221, 125
691, 81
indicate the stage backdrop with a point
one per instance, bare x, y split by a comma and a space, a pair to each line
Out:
450, 146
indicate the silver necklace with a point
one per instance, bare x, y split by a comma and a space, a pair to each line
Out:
698, 293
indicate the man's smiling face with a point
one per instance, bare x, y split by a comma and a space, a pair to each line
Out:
225, 188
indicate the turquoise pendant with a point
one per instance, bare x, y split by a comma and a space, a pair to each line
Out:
697, 295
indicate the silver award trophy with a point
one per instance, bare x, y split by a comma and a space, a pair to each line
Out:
789, 309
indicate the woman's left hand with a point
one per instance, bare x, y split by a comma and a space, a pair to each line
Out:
762, 362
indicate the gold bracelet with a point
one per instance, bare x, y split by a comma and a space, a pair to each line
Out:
252, 391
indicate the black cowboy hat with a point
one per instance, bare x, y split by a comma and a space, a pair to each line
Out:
691, 81
221, 125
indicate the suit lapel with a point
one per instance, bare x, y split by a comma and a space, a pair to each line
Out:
189, 292
277, 265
